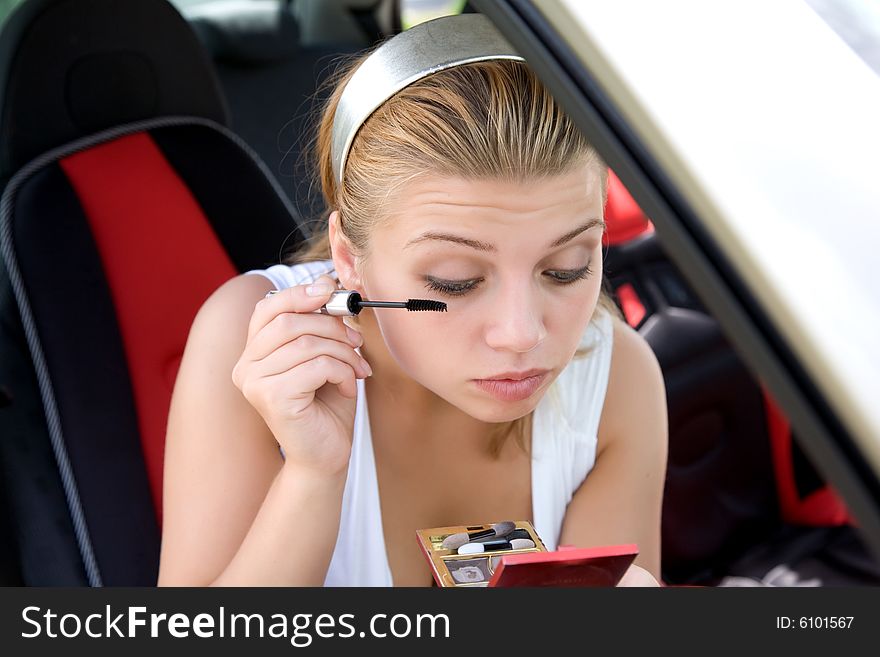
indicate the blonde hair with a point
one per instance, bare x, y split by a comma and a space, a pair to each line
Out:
483, 120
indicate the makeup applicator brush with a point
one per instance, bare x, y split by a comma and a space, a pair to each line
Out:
455, 541
516, 533
494, 546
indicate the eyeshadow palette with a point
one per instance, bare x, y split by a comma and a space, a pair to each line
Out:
458, 566
512, 554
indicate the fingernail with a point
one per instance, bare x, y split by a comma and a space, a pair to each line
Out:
367, 367
318, 290
354, 336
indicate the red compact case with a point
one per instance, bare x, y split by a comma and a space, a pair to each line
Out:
597, 566
566, 567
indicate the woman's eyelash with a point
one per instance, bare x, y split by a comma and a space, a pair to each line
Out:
451, 288
573, 275
460, 288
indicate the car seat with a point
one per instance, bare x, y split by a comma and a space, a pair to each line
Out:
271, 70
126, 203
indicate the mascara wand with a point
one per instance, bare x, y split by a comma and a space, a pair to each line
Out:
347, 303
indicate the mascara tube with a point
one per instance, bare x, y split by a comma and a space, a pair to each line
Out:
342, 303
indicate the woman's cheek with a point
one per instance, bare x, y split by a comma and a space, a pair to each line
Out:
593, 289
419, 343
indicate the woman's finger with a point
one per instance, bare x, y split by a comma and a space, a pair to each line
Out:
296, 299
305, 348
289, 327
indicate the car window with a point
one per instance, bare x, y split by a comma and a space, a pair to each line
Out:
6, 7
180, 4
752, 146
413, 12
856, 22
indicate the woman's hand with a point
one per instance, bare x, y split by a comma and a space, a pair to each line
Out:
637, 576
298, 370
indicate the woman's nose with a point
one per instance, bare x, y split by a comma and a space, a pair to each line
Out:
517, 321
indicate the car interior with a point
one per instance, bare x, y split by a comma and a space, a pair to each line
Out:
151, 150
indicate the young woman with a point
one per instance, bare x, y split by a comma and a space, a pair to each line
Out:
304, 449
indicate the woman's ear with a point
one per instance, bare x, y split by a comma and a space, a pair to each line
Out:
343, 258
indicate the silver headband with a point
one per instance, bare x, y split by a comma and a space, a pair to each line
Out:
405, 58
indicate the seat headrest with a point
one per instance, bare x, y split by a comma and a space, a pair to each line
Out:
69, 68
246, 31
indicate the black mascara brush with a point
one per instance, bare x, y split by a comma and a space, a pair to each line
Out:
346, 303
349, 302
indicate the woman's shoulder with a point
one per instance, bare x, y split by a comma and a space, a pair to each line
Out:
236, 297
635, 398
232, 303
633, 363
288, 275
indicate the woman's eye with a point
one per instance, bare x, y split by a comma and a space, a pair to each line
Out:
451, 288
460, 288
571, 276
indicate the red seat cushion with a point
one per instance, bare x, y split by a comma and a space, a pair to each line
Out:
623, 216
146, 222
819, 508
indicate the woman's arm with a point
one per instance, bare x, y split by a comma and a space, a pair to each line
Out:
233, 512
620, 501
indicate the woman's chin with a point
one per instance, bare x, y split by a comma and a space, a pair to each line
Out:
493, 411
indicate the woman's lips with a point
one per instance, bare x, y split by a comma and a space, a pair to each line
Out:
510, 390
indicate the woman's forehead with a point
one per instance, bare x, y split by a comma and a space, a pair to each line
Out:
508, 220
564, 198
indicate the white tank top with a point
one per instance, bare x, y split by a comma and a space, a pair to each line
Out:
564, 437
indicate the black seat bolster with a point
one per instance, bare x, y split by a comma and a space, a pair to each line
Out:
75, 461
87, 379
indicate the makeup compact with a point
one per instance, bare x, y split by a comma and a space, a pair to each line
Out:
511, 553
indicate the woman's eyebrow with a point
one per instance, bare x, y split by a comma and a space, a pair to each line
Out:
490, 248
